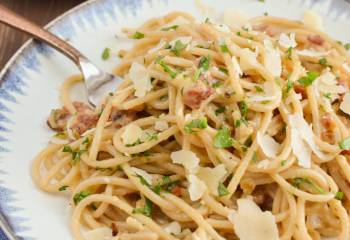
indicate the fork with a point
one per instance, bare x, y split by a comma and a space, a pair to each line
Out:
97, 82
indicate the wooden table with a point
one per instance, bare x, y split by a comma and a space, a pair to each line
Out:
38, 11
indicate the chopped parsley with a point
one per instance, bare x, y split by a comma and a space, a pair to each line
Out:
63, 188
289, 86
345, 144
76, 154
173, 27
166, 185
137, 142
195, 124
222, 190
80, 196
243, 108
328, 95
151, 136
298, 181
258, 89
166, 68
347, 46
289, 53
224, 70
255, 157
178, 47
283, 163
339, 195
238, 33
106, 53
223, 138
146, 210
204, 63
223, 47
219, 110
217, 84
309, 78
266, 13
138, 35
323, 61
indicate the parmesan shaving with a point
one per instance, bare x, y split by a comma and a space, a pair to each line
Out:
248, 59
287, 41
236, 66
186, 158
250, 223
235, 18
161, 125
212, 177
131, 134
312, 53
313, 20
300, 149
196, 188
267, 144
272, 59
173, 228
148, 178
345, 104
159, 46
140, 78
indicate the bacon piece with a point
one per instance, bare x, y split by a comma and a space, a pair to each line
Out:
328, 122
299, 89
58, 119
121, 118
176, 191
194, 96
85, 118
263, 200
327, 136
316, 39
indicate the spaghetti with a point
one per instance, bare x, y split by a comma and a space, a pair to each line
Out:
217, 132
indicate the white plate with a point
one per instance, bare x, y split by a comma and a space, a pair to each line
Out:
30, 82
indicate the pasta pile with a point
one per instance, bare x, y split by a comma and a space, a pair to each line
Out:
218, 131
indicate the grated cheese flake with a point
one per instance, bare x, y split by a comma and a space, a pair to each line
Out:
131, 134
272, 59
312, 53
236, 66
267, 144
263, 164
212, 177
300, 149
102, 233
140, 172
186, 158
222, 28
196, 188
305, 132
345, 104
250, 223
327, 84
159, 46
235, 18
287, 41
139, 76
247, 59
161, 125
267, 94
313, 20
173, 228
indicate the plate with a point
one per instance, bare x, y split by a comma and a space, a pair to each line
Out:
29, 86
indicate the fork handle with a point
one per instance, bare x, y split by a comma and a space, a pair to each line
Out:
14, 20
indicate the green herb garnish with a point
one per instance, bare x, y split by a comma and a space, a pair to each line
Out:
223, 138
224, 70
309, 78
217, 84
137, 142
345, 144
243, 108
339, 195
63, 188
222, 190
254, 157
196, 124
138, 35
76, 154
258, 89
219, 110
146, 210
289, 53
347, 46
178, 47
328, 95
80, 196
173, 27
298, 181
289, 86
166, 68
106, 53
223, 47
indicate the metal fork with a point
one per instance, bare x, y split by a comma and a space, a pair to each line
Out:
97, 82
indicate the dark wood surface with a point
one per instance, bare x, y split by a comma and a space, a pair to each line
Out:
38, 11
